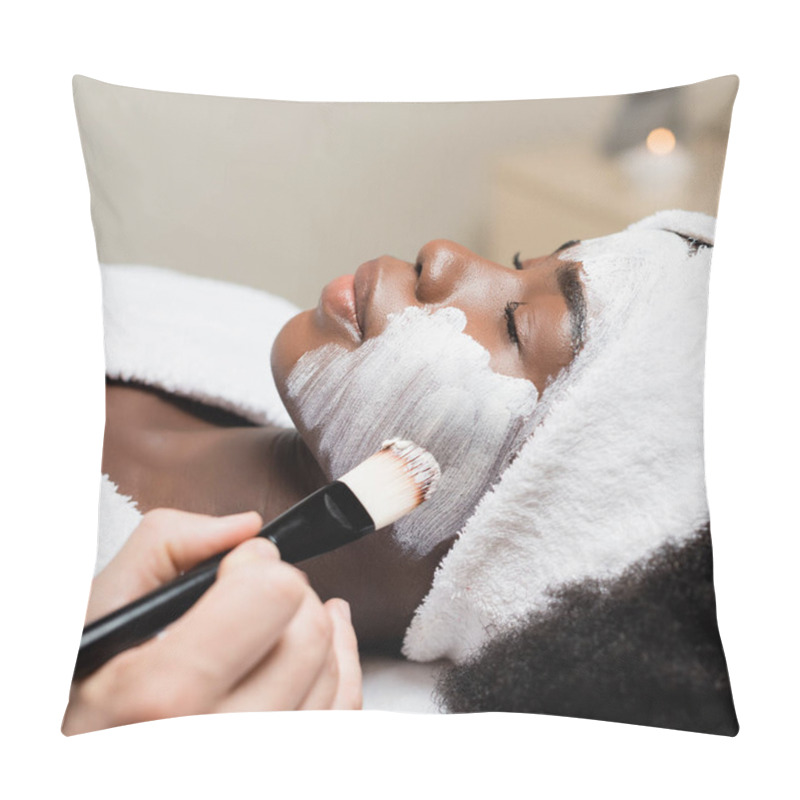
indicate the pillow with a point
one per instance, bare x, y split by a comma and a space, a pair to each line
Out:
519, 287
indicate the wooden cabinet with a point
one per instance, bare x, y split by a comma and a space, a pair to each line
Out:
540, 200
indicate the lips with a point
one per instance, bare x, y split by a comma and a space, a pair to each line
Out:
338, 301
364, 287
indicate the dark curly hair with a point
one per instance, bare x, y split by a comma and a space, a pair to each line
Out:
643, 649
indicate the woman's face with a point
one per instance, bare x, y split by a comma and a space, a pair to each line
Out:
452, 352
528, 315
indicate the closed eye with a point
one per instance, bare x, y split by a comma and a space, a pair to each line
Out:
511, 323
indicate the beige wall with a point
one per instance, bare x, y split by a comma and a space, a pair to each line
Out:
284, 196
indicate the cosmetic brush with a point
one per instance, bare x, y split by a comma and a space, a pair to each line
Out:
376, 493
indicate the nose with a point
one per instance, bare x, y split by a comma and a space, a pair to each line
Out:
441, 266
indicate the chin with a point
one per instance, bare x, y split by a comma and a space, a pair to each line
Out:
303, 333
300, 335
288, 347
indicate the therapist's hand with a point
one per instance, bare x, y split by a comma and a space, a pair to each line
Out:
259, 639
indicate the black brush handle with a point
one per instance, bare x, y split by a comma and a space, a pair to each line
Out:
329, 518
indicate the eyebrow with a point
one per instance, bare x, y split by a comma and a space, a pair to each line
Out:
571, 288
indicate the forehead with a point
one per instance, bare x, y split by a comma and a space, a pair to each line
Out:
627, 269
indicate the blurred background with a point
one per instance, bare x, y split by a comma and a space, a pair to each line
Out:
285, 196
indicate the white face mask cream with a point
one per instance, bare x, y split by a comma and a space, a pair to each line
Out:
422, 379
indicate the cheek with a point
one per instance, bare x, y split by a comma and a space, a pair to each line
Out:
422, 379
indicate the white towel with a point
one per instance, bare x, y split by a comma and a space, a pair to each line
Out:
196, 337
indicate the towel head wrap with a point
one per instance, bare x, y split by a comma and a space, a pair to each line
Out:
614, 466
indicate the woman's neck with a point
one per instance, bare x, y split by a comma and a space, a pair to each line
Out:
163, 453
293, 471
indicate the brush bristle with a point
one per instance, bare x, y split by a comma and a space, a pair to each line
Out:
394, 481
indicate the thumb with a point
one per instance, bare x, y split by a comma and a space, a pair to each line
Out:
166, 543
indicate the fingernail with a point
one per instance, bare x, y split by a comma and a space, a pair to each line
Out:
343, 609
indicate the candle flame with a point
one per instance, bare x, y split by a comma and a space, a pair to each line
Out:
661, 141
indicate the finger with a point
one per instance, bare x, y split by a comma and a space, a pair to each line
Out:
230, 629
290, 671
349, 694
166, 543
322, 692
173, 541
